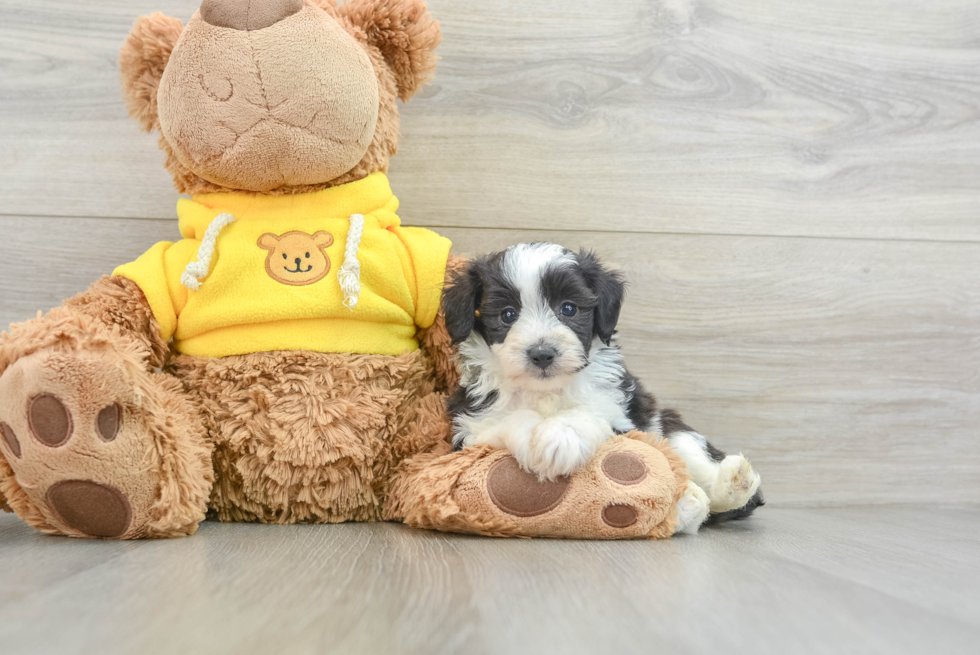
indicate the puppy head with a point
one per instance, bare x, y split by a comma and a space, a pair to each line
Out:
535, 310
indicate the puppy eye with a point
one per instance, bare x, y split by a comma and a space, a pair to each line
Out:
568, 309
307, 255
508, 316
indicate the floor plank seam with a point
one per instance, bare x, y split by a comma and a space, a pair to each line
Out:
559, 230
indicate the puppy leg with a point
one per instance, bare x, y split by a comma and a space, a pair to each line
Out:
562, 444
512, 432
692, 509
729, 481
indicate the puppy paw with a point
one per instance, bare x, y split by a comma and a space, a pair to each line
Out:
736, 484
561, 445
692, 509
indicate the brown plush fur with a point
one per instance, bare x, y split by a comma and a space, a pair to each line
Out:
269, 416
142, 59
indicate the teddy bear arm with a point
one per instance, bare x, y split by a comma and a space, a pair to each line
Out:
119, 304
436, 343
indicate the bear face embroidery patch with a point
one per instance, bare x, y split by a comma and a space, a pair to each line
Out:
296, 258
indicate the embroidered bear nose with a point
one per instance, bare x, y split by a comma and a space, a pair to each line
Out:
542, 356
298, 261
248, 16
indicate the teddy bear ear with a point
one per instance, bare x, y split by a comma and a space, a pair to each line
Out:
323, 239
142, 59
268, 241
404, 32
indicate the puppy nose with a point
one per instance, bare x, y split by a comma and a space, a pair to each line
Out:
542, 356
248, 16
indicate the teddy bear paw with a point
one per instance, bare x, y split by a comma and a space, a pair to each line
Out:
70, 434
626, 490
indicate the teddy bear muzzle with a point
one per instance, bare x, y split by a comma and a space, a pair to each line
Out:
248, 16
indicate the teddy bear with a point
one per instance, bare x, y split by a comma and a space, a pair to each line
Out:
286, 360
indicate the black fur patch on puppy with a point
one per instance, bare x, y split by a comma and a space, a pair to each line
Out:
476, 299
610, 290
561, 285
641, 406
461, 403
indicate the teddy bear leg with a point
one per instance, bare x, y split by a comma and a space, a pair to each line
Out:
634, 487
93, 445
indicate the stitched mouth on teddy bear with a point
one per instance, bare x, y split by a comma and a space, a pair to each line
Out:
299, 265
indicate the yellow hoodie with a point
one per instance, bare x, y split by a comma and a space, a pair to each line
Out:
290, 273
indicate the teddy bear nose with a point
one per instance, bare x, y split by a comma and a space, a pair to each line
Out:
298, 261
248, 15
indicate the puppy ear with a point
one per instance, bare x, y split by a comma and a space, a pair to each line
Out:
609, 287
460, 302
142, 59
406, 35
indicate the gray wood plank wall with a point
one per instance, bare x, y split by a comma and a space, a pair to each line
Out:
793, 190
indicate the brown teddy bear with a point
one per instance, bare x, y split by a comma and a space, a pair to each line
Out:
285, 361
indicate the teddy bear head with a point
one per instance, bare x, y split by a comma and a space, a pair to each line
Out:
277, 96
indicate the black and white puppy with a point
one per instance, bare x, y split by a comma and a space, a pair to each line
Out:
542, 376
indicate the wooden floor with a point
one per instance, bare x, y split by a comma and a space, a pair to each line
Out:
888, 579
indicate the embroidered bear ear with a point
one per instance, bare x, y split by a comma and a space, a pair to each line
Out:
404, 32
269, 241
142, 59
322, 239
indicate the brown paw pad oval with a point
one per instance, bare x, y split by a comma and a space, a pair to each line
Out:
619, 516
107, 423
519, 493
50, 420
94, 509
10, 438
624, 468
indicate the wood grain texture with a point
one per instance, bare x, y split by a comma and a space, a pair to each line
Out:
846, 370
836, 118
868, 580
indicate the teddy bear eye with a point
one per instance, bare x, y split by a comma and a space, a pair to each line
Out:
307, 255
284, 255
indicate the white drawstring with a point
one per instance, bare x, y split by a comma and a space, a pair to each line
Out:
349, 274
195, 271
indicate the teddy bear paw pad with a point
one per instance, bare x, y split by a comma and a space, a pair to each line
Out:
72, 433
94, 509
520, 493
